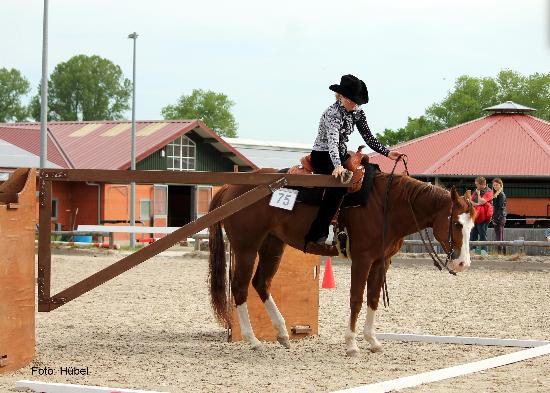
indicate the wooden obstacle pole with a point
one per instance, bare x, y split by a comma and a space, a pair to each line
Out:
17, 278
155, 248
267, 183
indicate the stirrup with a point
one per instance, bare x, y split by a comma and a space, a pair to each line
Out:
321, 249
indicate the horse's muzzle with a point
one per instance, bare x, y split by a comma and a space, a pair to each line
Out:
459, 265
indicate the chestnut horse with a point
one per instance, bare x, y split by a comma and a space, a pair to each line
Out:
262, 230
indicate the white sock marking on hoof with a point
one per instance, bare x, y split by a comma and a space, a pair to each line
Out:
246, 327
370, 333
255, 344
277, 319
351, 344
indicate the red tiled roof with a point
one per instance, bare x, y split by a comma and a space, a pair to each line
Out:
28, 138
107, 144
499, 145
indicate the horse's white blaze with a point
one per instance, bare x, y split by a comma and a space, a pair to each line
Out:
369, 332
276, 318
246, 327
463, 261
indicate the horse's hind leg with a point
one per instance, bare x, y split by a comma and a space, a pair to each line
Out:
374, 286
244, 266
270, 254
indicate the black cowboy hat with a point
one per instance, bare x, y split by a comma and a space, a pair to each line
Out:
353, 88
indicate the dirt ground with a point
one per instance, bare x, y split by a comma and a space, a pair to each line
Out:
152, 328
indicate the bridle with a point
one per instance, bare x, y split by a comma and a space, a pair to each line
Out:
438, 263
430, 249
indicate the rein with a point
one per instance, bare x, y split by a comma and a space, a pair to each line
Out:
430, 249
438, 263
385, 293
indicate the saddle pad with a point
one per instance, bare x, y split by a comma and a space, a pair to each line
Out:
361, 197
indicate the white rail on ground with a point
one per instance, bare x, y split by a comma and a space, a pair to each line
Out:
501, 342
47, 387
450, 372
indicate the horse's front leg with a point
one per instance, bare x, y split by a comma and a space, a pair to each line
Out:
359, 271
374, 286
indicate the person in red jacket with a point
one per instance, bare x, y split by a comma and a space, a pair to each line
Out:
482, 201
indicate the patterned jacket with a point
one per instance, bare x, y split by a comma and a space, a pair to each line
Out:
335, 127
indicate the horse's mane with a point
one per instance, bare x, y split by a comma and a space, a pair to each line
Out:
410, 189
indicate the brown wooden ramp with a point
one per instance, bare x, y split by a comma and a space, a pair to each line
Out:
295, 290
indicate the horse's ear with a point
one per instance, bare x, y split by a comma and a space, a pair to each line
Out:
454, 194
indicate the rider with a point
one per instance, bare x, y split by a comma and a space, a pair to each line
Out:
330, 150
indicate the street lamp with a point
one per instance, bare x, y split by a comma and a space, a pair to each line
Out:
44, 92
134, 37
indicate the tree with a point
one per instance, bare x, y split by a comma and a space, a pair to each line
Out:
212, 108
13, 86
415, 128
85, 88
468, 99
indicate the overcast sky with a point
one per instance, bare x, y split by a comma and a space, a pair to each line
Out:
276, 59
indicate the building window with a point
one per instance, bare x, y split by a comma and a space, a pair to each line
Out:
181, 154
160, 199
144, 210
54, 209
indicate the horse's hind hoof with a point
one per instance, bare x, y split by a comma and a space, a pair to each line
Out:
256, 344
284, 341
257, 347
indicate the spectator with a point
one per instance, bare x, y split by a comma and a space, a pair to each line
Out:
481, 199
499, 213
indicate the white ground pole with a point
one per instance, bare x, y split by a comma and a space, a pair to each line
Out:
450, 372
501, 342
46, 387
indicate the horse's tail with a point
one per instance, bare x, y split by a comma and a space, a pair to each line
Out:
217, 265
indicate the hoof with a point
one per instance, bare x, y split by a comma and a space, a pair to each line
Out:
284, 341
257, 347
353, 353
375, 348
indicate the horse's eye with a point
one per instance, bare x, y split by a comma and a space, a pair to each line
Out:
457, 225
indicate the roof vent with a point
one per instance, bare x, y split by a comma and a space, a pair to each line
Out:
509, 107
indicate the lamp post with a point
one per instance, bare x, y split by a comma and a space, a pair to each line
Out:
44, 92
134, 37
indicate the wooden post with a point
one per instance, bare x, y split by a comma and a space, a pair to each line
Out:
17, 272
44, 239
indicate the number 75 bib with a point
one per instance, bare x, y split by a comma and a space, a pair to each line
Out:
283, 198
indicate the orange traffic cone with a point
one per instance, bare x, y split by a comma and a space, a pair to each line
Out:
328, 277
